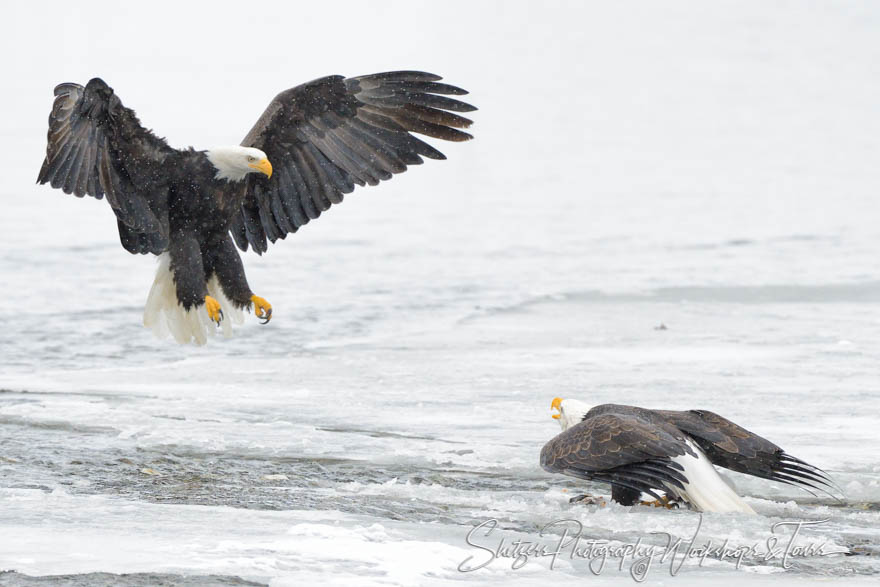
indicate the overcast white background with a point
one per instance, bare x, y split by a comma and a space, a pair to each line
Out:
711, 166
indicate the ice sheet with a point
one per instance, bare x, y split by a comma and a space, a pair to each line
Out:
707, 168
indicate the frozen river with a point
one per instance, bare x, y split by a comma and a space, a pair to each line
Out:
713, 172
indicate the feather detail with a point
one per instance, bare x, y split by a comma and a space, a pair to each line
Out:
334, 133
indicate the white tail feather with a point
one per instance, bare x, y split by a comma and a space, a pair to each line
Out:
164, 315
706, 491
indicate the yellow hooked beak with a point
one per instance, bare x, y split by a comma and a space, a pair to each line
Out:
556, 404
263, 166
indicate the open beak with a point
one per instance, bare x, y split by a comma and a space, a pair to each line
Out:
556, 404
263, 166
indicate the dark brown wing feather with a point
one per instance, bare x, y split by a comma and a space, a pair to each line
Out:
733, 447
96, 146
619, 448
333, 133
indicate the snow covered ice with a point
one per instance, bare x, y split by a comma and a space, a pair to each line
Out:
710, 168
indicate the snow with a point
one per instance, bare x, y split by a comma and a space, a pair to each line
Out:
708, 167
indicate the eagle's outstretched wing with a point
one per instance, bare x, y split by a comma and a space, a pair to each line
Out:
619, 448
97, 146
325, 136
733, 447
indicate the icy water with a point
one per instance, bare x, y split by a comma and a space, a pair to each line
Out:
692, 225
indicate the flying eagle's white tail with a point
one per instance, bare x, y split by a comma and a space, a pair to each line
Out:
706, 491
164, 315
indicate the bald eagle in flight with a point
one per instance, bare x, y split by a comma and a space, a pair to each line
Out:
313, 144
638, 451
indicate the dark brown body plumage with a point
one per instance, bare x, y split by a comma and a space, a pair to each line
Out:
322, 138
632, 449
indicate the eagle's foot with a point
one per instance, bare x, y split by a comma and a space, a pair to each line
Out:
213, 308
262, 308
588, 500
661, 503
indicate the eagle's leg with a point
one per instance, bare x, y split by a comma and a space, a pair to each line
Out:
628, 496
189, 276
624, 495
223, 260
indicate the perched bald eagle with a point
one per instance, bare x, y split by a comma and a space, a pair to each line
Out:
638, 451
312, 145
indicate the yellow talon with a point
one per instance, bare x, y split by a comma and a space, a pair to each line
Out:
213, 308
660, 503
262, 308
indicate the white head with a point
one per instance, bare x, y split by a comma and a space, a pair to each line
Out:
234, 163
571, 411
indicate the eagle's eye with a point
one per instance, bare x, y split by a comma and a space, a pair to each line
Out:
251, 159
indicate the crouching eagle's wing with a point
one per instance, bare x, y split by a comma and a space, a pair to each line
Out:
622, 449
325, 136
733, 447
97, 146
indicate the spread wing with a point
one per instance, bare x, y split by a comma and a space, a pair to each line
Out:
621, 449
97, 146
733, 447
328, 135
